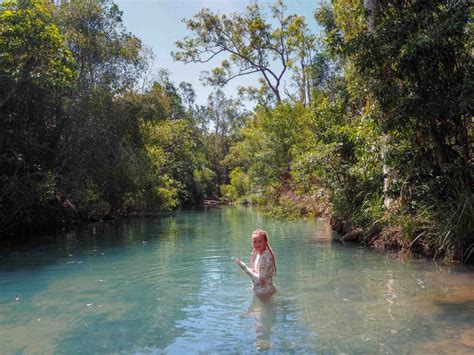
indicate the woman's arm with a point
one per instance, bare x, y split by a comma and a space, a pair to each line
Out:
247, 270
265, 269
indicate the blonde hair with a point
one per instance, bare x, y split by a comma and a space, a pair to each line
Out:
262, 233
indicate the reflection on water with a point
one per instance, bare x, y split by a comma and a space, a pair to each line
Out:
390, 296
170, 285
263, 313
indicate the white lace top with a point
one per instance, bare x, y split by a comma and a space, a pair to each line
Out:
261, 273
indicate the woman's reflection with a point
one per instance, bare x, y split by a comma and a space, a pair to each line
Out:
262, 309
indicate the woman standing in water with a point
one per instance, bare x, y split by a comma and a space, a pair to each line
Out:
262, 264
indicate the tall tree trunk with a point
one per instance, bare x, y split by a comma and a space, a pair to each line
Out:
388, 173
303, 84
371, 7
217, 137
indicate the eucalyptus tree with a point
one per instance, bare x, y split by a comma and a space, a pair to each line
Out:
187, 94
273, 48
225, 116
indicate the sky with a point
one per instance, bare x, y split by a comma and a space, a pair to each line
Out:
158, 24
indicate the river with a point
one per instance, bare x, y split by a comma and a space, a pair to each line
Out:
169, 285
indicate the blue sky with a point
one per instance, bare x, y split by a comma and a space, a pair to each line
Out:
158, 24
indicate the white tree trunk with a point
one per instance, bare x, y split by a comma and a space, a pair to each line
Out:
387, 171
371, 6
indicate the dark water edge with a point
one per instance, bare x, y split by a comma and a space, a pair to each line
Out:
50, 232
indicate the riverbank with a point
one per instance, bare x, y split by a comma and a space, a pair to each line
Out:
386, 229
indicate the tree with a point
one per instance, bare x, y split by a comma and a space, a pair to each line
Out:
408, 68
100, 146
251, 45
108, 56
265, 151
36, 70
224, 117
179, 173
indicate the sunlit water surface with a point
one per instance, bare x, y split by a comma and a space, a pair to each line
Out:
169, 285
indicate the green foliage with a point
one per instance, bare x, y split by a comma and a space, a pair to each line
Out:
222, 118
385, 144
171, 149
76, 138
32, 48
203, 180
108, 55
378, 132
448, 226
411, 71
239, 185
36, 70
267, 160
444, 229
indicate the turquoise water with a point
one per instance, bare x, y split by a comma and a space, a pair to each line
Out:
169, 285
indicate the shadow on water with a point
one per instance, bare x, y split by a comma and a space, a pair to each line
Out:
88, 239
459, 339
463, 309
131, 331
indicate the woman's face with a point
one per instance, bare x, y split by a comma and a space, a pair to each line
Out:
259, 243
